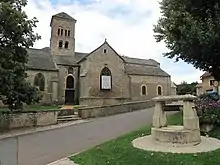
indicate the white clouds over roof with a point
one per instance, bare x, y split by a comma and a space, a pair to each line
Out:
127, 24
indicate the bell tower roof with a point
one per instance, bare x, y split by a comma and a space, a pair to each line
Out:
62, 15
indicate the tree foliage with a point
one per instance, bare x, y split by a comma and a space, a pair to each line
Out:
185, 88
16, 35
191, 31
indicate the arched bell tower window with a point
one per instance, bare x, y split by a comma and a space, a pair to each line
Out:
105, 79
61, 32
39, 81
58, 32
66, 45
60, 44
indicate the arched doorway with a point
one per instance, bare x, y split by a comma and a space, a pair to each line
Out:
70, 90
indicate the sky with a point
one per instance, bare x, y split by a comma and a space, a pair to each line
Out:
126, 24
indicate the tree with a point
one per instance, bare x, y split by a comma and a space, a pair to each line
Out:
191, 31
185, 88
16, 35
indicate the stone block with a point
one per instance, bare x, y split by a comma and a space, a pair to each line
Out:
191, 123
159, 117
176, 135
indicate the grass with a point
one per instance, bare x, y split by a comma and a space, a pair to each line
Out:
40, 107
121, 152
34, 107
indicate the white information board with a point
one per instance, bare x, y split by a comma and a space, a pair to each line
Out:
106, 82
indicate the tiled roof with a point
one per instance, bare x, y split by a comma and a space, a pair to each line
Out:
132, 69
140, 61
40, 59
206, 74
70, 59
64, 16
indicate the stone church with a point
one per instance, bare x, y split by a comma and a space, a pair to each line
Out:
101, 77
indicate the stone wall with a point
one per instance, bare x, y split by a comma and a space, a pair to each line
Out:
151, 83
27, 119
100, 111
90, 72
63, 74
206, 83
98, 101
50, 77
54, 42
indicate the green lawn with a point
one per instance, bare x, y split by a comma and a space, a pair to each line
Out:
121, 152
35, 107
40, 107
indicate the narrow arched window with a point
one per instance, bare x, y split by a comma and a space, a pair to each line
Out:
144, 90
65, 32
39, 81
61, 32
105, 79
66, 45
159, 90
60, 44
70, 82
58, 32
68, 33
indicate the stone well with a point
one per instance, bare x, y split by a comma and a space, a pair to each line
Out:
188, 134
176, 138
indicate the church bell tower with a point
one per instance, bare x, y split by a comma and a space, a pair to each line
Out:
62, 40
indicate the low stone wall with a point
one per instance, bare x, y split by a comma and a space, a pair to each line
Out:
100, 111
98, 101
27, 119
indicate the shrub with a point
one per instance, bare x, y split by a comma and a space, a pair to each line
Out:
208, 110
212, 96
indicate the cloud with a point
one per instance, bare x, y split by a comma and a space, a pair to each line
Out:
127, 25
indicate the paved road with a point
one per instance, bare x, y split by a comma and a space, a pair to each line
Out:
44, 147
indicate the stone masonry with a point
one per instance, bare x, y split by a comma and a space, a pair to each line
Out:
75, 78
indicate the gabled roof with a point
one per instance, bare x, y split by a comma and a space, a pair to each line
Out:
99, 48
206, 74
40, 59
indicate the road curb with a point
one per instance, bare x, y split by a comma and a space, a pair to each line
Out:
42, 129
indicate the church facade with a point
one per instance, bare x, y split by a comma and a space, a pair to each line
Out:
101, 77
